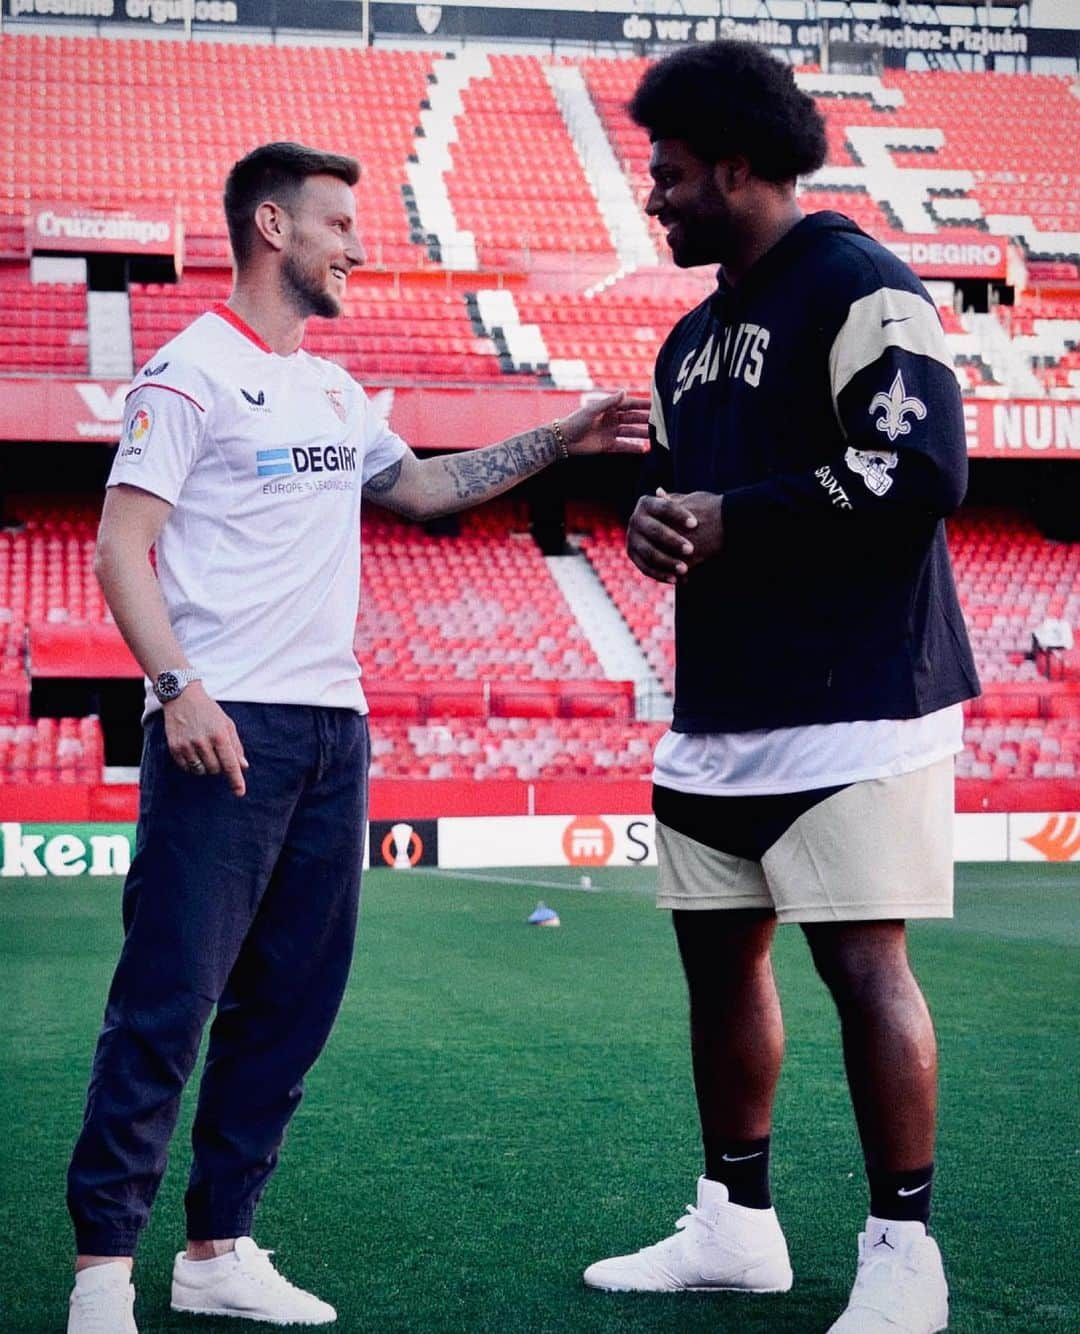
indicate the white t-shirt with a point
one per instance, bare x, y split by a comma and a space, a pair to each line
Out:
801, 759
262, 458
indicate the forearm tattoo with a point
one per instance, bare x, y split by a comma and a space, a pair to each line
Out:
383, 481
479, 473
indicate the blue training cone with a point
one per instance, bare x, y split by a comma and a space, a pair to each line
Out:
542, 915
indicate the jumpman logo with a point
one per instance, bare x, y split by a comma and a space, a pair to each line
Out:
883, 1240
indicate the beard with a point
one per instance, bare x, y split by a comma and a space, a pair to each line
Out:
704, 232
305, 292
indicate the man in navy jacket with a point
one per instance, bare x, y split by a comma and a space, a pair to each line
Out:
808, 442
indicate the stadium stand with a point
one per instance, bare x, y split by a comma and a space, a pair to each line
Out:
507, 748
516, 183
991, 130
1009, 577
382, 334
72, 131
476, 668
42, 326
479, 606
51, 750
474, 662
648, 608
69, 136
617, 336
970, 139
46, 565
445, 167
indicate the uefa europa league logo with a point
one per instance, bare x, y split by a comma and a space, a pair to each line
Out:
401, 837
403, 845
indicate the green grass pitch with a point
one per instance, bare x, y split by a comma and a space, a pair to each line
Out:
501, 1104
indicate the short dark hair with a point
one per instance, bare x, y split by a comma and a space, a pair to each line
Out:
275, 171
731, 98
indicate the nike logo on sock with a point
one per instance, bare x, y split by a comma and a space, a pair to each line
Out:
742, 1158
913, 1191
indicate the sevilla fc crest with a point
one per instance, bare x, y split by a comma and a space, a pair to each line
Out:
337, 402
429, 17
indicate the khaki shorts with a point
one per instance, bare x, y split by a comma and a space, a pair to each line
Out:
877, 850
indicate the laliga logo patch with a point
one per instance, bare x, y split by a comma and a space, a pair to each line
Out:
136, 434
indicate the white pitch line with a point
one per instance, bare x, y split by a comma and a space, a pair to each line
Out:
509, 880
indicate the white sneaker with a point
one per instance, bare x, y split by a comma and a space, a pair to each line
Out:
102, 1301
718, 1245
900, 1285
245, 1284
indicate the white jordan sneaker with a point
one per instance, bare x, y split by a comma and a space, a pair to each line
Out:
718, 1245
900, 1285
244, 1284
103, 1301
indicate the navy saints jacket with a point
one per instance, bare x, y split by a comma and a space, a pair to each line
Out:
818, 398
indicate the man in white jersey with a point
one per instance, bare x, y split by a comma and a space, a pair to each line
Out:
808, 442
241, 464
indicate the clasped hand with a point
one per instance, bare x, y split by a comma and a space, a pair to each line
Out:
670, 534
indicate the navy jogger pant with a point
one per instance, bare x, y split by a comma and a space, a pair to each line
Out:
247, 903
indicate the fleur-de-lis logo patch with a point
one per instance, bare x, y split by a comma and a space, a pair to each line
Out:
897, 404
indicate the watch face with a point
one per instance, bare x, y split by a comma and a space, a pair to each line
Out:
168, 685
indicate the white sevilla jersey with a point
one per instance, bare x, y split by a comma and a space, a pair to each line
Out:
262, 458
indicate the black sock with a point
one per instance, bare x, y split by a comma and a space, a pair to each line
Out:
903, 1196
743, 1166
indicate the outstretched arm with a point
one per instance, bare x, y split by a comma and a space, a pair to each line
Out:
426, 488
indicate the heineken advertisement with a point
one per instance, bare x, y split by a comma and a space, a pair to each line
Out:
646, 24
38, 850
33, 851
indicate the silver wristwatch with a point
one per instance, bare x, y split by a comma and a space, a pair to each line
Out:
173, 681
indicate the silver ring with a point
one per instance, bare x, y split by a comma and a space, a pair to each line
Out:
197, 768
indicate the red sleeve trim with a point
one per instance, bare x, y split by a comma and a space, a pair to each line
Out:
219, 308
153, 384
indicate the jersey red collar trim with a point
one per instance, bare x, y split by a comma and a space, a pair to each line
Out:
230, 317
